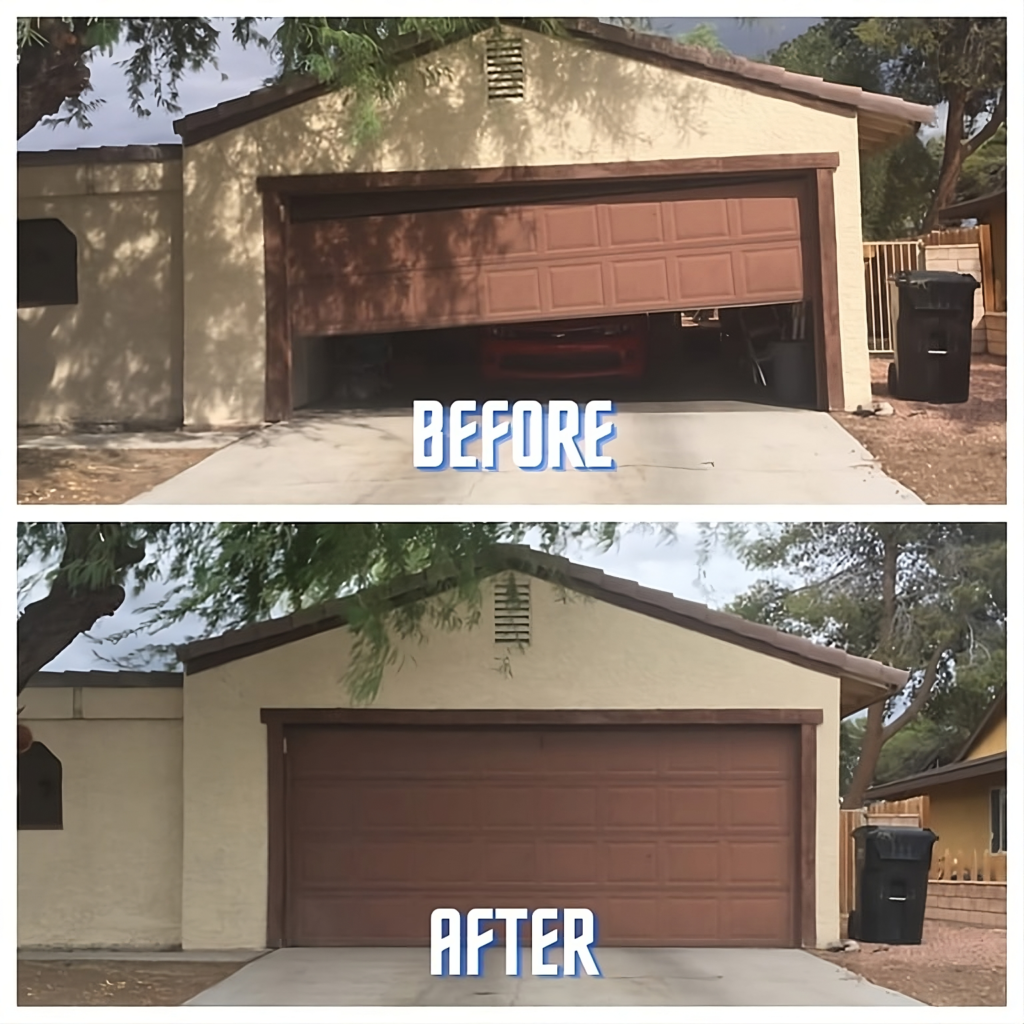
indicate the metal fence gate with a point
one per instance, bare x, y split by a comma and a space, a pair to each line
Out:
880, 260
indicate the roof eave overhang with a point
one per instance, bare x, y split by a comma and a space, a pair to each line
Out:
886, 118
923, 782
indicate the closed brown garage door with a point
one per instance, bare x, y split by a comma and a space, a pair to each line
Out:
674, 836
667, 250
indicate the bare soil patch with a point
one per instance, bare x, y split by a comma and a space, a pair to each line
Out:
116, 982
97, 476
946, 454
955, 965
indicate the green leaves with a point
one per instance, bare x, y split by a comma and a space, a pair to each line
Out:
232, 574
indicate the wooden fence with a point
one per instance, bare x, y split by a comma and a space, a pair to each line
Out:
912, 813
967, 866
952, 236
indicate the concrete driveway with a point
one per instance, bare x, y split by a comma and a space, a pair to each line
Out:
631, 977
679, 453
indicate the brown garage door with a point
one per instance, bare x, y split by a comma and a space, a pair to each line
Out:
675, 836
698, 248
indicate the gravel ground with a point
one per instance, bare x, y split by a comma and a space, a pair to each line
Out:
955, 965
953, 454
100, 476
116, 982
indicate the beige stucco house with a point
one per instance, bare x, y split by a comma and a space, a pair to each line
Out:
673, 768
514, 177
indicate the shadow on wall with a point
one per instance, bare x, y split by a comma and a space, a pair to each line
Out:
115, 356
580, 106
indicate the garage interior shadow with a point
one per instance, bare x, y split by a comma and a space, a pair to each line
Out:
688, 362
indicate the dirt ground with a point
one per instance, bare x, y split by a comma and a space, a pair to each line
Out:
115, 982
103, 476
946, 454
955, 965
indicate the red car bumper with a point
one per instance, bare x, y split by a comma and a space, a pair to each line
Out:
565, 350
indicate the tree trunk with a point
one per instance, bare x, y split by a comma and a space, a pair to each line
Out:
49, 625
952, 159
871, 746
49, 72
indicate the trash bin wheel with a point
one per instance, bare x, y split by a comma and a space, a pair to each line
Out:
893, 381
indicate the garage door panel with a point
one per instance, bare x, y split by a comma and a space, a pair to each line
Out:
628, 807
569, 862
509, 807
693, 806
693, 862
691, 921
640, 283
508, 293
437, 293
448, 806
656, 830
700, 220
756, 807
757, 863
635, 224
706, 279
508, 861
773, 760
576, 287
571, 229
773, 271
569, 807
631, 862
452, 267
754, 920
768, 215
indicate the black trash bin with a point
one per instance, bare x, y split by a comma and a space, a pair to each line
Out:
932, 312
891, 884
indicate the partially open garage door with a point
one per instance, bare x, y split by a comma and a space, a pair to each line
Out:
676, 249
673, 836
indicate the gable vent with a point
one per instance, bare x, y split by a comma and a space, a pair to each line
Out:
506, 74
512, 611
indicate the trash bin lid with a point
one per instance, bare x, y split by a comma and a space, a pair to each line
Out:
933, 279
898, 843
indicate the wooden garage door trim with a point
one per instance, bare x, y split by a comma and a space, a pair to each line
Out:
311, 184
816, 168
276, 719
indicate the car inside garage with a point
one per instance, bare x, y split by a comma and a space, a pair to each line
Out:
655, 287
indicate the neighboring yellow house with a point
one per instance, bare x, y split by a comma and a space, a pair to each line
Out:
966, 798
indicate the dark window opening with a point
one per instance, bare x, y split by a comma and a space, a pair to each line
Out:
47, 264
40, 789
997, 818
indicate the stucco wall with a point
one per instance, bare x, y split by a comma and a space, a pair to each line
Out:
112, 876
959, 815
116, 356
584, 654
582, 106
991, 741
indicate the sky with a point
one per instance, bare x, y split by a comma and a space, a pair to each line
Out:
241, 71
643, 557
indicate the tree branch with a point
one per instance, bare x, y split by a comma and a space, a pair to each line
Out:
920, 698
975, 142
49, 625
49, 72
